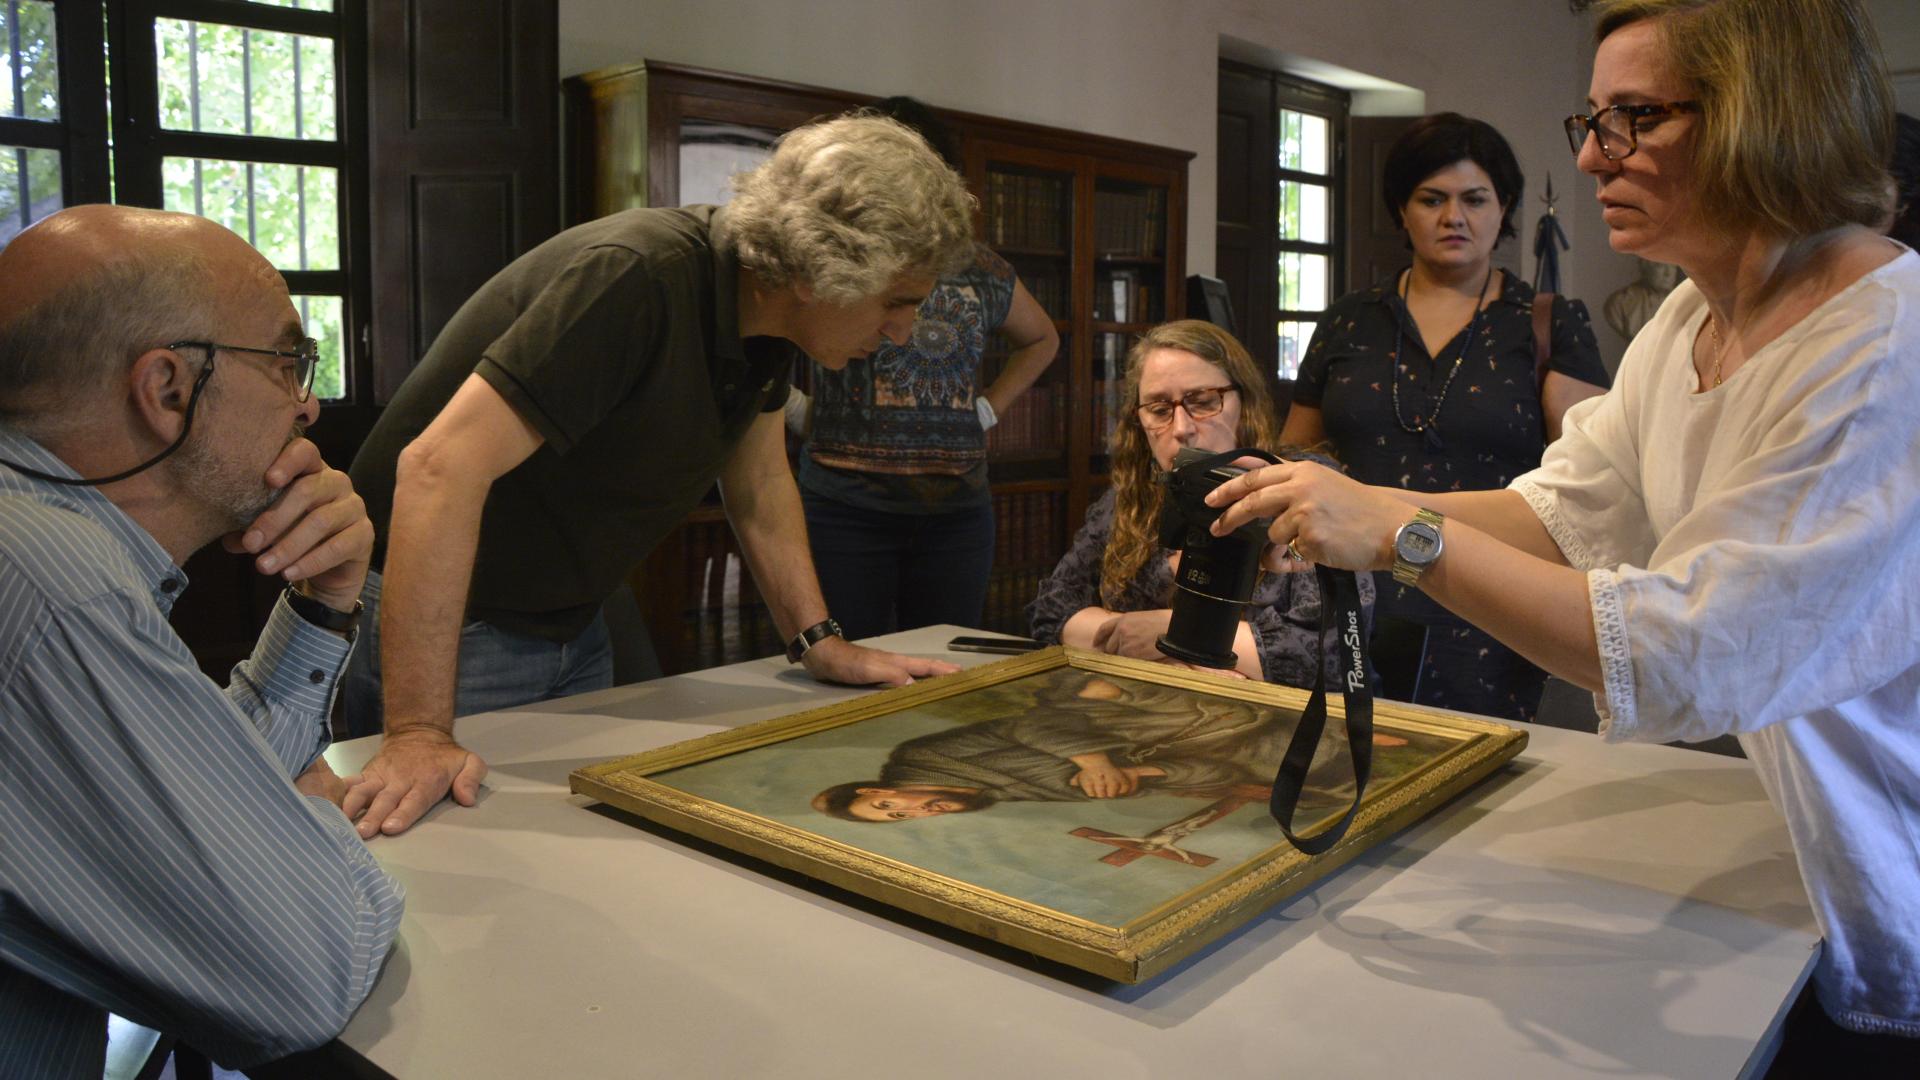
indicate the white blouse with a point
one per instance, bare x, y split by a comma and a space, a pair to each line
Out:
1753, 560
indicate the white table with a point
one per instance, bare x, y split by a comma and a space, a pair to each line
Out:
1593, 909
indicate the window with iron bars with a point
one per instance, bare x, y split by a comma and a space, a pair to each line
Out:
246, 112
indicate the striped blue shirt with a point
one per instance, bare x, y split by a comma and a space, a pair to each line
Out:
155, 858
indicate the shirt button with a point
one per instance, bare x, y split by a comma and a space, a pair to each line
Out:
169, 585
316, 676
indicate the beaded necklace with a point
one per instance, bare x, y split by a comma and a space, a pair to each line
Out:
1427, 424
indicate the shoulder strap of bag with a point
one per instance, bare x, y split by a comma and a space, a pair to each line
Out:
1542, 336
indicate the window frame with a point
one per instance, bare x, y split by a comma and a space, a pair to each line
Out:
80, 135
1291, 93
129, 170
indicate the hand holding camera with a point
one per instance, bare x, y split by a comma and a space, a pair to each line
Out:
1329, 518
1217, 569
1220, 549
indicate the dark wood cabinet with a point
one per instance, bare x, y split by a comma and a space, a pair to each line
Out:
1095, 226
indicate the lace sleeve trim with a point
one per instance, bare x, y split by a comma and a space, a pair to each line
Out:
1547, 509
1615, 703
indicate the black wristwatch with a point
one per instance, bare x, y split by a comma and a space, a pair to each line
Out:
811, 636
322, 616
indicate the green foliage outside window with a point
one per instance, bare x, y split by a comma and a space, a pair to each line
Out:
207, 70
324, 318
35, 63
42, 188
231, 80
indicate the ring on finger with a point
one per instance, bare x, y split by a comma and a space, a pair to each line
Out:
1294, 552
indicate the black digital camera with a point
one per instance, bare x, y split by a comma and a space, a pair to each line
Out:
1217, 573
1215, 583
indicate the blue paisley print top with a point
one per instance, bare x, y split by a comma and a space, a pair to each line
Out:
897, 431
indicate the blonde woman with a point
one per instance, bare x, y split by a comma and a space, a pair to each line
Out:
1725, 542
1189, 383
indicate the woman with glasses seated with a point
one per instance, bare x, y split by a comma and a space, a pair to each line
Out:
1729, 541
1430, 380
1189, 383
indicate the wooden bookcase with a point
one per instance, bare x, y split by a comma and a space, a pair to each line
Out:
1096, 228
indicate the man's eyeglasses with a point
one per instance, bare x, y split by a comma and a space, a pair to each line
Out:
1200, 404
1618, 126
305, 360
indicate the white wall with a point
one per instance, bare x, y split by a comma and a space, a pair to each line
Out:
1147, 69
1898, 22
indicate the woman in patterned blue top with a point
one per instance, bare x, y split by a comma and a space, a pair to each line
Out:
893, 474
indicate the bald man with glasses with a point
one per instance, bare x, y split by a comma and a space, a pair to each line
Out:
174, 852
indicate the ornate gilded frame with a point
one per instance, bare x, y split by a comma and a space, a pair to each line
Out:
1129, 953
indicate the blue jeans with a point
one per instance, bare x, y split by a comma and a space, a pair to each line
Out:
498, 668
883, 572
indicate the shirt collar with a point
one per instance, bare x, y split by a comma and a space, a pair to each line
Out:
149, 559
726, 292
1512, 290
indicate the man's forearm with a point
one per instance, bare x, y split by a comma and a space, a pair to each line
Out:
772, 530
763, 506
430, 551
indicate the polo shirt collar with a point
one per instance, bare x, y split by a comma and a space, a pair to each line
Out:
726, 293
149, 559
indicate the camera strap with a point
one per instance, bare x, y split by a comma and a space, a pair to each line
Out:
1339, 616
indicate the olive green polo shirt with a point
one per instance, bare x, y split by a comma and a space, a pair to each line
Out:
619, 341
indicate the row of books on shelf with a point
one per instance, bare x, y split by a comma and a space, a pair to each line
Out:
1027, 211
1106, 410
1009, 592
1049, 289
1129, 223
1126, 296
1028, 529
1035, 421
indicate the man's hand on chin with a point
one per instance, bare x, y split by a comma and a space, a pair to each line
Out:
413, 770
837, 660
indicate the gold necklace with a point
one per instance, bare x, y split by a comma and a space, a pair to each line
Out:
1719, 351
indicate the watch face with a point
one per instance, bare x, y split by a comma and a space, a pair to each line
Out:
1418, 543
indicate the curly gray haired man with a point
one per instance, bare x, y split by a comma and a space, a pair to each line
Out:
581, 403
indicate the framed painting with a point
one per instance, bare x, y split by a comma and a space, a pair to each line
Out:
1103, 812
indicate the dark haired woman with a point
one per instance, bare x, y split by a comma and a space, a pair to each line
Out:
1428, 381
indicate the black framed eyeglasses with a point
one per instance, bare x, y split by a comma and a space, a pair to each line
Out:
1200, 404
1618, 126
305, 360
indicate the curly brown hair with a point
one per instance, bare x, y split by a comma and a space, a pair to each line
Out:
1136, 510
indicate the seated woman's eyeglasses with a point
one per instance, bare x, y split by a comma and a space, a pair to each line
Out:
305, 360
1199, 404
1618, 126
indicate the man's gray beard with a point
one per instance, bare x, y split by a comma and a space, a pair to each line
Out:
222, 486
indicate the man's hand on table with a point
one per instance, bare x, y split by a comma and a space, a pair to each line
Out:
413, 770
837, 660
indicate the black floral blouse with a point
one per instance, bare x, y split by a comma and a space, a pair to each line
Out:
1487, 431
1284, 614
1489, 427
